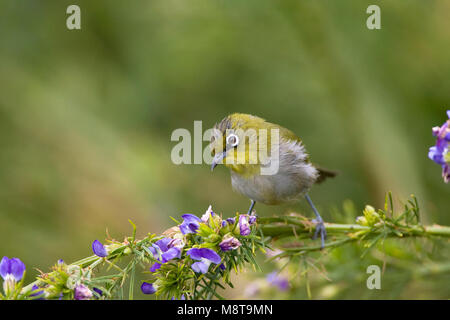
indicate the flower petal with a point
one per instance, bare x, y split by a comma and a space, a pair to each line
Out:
99, 249
17, 268
163, 243
207, 214
155, 267
4, 267
229, 243
170, 254
184, 228
190, 223
206, 253
447, 137
155, 251
148, 288
231, 221
82, 292
244, 226
200, 266
190, 218
176, 243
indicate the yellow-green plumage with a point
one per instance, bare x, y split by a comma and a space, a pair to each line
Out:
295, 173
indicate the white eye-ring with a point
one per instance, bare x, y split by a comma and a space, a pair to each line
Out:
232, 140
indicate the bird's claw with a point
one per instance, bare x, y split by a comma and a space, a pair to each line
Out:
320, 228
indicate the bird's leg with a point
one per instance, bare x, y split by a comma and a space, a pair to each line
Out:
251, 207
320, 227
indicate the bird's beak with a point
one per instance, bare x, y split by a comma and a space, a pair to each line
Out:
218, 159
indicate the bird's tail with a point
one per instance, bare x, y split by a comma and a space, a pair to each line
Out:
325, 173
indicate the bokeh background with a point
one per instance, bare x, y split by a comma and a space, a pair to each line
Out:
86, 118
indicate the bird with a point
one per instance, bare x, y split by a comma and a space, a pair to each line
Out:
268, 163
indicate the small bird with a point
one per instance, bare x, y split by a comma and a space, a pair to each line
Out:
268, 163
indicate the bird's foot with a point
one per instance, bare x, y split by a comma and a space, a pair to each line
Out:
252, 205
320, 229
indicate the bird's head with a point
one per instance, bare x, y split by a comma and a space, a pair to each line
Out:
243, 142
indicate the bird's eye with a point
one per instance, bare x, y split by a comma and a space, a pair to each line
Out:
232, 140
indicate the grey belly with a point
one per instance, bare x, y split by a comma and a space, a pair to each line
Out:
275, 189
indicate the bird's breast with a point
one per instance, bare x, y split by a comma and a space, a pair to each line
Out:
294, 177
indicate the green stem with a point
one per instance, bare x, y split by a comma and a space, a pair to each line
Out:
289, 226
93, 260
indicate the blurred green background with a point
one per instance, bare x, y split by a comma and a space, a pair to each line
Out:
86, 115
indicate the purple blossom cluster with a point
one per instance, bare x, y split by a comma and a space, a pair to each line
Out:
216, 236
439, 152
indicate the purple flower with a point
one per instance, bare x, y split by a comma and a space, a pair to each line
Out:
99, 249
12, 269
439, 152
229, 243
82, 292
181, 298
165, 250
252, 219
206, 257
148, 288
190, 223
278, 281
244, 225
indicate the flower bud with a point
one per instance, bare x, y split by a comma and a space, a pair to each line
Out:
99, 249
244, 225
361, 220
371, 215
229, 243
148, 288
82, 292
207, 215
